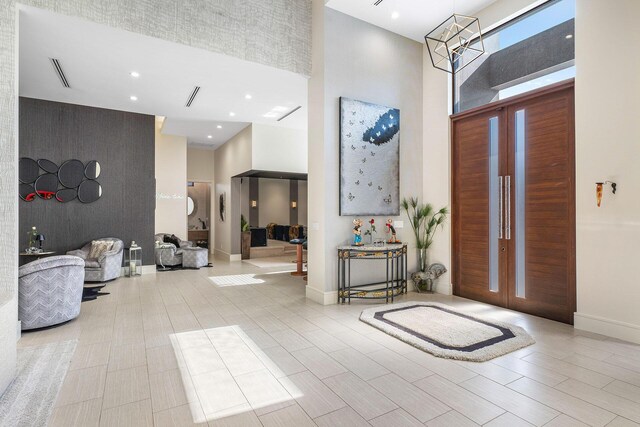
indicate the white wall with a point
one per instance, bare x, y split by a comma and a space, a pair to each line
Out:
279, 149
232, 158
607, 148
436, 157
354, 59
302, 202
274, 201
200, 165
171, 184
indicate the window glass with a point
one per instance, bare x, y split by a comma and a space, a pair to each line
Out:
529, 52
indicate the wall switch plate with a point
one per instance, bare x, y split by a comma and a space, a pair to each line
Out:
398, 224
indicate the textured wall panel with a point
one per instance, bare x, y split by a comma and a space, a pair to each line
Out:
271, 32
124, 145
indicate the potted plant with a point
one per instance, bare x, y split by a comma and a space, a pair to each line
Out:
425, 220
246, 238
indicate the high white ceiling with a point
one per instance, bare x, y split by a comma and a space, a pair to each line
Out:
98, 60
415, 18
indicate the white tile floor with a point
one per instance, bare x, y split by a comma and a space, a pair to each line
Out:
175, 349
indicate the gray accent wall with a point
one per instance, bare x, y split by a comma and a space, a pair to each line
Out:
254, 194
124, 145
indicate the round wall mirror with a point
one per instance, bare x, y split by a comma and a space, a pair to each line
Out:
66, 195
48, 166
71, 173
92, 171
27, 192
89, 191
191, 206
46, 185
28, 170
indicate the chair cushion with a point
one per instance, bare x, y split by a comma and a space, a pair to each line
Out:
91, 263
98, 247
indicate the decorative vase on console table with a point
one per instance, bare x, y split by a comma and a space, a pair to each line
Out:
371, 231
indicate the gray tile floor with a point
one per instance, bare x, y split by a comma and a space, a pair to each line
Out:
175, 349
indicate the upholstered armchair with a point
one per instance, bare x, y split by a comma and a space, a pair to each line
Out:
50, 291
168, 254
107, 267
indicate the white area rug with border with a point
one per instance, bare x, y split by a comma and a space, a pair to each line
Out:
447, 332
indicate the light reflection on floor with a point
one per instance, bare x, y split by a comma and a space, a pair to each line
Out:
225, 373
236, 280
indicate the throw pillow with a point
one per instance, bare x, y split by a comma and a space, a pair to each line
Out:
98, 247
173, 240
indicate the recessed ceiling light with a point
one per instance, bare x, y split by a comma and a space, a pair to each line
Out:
231, 113
395, 15
568, 36
133, 98
219, 126
248, 96
135, 74
209, 136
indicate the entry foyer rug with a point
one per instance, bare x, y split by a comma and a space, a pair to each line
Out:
447, 332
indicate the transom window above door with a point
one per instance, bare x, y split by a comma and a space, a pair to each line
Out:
533, 50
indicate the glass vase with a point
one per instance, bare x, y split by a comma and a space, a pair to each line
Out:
423, 264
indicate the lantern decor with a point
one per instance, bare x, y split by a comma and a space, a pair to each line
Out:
599, 192
599, 187
449, 44
134, 261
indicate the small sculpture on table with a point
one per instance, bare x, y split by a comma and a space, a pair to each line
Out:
392, 230
357, 233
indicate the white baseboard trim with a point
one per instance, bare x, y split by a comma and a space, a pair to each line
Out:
609, 327
219, 253
324, 298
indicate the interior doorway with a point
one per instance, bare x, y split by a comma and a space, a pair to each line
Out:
199, 213
514, 203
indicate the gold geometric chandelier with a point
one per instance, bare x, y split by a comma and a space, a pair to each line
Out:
449, 44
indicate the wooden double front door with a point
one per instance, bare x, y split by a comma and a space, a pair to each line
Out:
513, 203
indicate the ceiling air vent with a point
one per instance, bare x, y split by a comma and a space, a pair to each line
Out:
59, 72
193, 95
290, 112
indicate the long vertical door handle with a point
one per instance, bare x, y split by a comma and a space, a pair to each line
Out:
507, 196
500, 207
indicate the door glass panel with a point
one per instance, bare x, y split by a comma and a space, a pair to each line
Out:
494, 205
520, 173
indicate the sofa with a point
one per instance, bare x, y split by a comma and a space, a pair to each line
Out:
168, 254
105, 268
284, 233
50, 291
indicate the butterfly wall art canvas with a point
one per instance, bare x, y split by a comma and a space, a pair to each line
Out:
369, 150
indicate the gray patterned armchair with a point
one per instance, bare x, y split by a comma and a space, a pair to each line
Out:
168, 254
50, 291
105, 268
